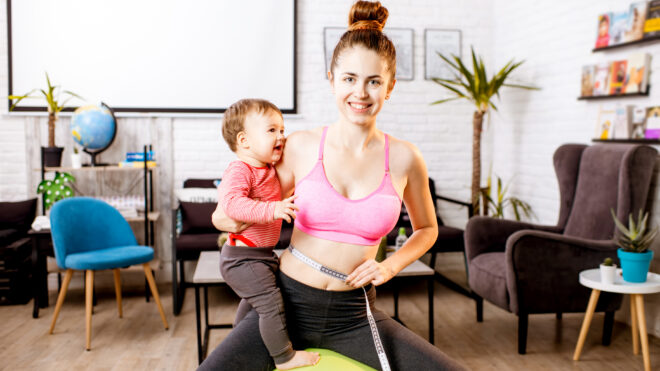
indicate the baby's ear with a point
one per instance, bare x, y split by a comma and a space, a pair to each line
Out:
242, 140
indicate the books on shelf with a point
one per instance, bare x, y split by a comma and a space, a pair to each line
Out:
603, 35
137, 164
618, 27
139, 156
637, 117
617, 77
626, 76
621, 125
652, 130
605, 124
652, 21
636, 19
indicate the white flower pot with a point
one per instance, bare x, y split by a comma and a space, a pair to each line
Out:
76, 160
607, 274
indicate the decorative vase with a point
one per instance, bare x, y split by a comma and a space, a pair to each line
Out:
52, 156
607, 274
76, 160
635, 265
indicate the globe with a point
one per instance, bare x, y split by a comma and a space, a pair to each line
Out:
94, 128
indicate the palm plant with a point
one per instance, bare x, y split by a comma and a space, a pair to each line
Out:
52, 97
476, 87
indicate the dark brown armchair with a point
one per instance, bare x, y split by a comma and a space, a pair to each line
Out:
526, 269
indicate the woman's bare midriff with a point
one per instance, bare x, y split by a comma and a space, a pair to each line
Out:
341, 257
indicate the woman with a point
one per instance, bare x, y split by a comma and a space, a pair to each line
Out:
350, 179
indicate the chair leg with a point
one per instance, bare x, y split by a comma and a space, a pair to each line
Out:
559, 315
480, 307
115, 273
522, 332
608, 324
60, 298
89, 293
154, 292
176, 309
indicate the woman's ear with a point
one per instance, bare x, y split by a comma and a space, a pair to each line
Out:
330, 78
242, 140
390, 88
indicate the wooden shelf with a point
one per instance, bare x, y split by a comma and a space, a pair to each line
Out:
153, 216
596, 97
643, 141
622, 45
96, 168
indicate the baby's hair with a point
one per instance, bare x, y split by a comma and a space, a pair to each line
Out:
233, 121
366, 20
604, 18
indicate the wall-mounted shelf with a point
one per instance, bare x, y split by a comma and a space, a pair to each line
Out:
596, 97
640, 41
642, 141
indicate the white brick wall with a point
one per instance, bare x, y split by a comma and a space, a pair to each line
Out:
554, 37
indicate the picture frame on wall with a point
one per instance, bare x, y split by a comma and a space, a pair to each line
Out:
402, 38
445, 42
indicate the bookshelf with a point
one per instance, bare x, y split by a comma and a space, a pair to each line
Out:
597, 97
639, 141
626, 44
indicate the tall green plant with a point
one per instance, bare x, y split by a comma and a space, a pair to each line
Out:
500, 202
52, 97
476, 87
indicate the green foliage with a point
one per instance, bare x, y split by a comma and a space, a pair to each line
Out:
634, 238
474, 85
607, 262
497, 205
56, 189
51, 95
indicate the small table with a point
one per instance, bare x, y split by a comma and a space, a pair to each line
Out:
207, 273
591, 278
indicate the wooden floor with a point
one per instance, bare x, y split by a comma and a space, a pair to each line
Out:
139, 342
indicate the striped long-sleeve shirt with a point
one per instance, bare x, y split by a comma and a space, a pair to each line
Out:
248, 194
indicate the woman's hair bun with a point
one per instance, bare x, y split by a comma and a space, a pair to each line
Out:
367, 15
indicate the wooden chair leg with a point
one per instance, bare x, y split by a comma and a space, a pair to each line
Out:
89, 293
558, 315
480, 307
523, 320
115, 273
154, 292
60, 298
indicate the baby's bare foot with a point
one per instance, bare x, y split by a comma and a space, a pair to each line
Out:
302, 358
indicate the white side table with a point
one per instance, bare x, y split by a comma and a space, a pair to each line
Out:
591, 278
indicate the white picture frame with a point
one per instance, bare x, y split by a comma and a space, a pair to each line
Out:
445, 42
402, 38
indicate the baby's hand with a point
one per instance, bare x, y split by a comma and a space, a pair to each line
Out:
285, 209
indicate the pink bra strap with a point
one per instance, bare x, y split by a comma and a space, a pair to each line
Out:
325, 130
387, 153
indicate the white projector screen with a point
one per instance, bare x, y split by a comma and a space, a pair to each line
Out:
155, 55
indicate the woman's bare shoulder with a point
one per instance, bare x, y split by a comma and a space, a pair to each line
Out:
403, 154
302, 141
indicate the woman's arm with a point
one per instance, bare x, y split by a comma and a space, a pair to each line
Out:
417, 198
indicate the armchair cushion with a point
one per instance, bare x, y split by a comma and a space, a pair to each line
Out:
488, 277
197, 217
188, 246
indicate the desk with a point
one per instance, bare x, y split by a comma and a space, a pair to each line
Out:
207, 273
591, 278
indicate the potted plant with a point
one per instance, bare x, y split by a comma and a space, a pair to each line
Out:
55, 104
477, 88
607, 271
56, 189
76, 160
501, 202
633, 243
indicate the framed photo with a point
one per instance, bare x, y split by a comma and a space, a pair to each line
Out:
402, 38
445, 42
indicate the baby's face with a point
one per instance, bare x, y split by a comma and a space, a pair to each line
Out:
265, 136
603, 28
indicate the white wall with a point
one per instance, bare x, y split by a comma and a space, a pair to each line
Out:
555, 39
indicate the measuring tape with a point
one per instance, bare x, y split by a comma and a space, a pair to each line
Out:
384, 364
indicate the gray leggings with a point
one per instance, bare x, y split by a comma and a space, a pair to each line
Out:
334, 320
250, 272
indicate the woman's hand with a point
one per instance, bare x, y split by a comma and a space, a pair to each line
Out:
222, 222
372, 272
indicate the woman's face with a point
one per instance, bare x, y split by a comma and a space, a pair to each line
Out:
361, 83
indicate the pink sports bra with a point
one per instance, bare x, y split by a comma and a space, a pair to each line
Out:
326, 214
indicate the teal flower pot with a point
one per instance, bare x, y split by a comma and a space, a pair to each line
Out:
635, 265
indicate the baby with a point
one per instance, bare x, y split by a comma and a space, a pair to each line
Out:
254, 130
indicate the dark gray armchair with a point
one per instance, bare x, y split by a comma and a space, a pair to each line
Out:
527, 269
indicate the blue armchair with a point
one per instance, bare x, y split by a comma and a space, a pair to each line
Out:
89, 235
